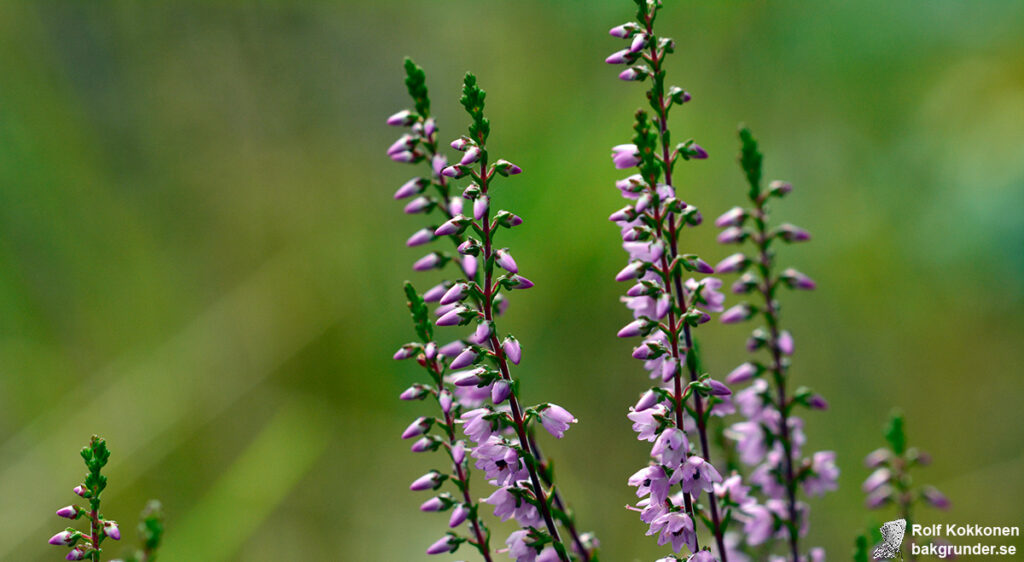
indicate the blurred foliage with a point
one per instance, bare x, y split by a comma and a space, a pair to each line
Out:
200, 258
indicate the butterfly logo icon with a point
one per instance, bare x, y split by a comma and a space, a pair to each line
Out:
892, 539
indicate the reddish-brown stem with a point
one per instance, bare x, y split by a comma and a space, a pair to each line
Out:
778, 375
517, 414
481, 540
666, 157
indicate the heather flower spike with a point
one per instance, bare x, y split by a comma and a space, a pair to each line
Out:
666, 305
88, 545
770, 437
470, 378
890, 481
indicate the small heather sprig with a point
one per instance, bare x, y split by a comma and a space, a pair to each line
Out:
433, 358
891, 481
88, 546
505, 446
665, 307
770, 438
500, 427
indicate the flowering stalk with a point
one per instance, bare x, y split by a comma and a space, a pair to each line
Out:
891, 481
771, 436
664, 307
88, 546
421, 144
505, 448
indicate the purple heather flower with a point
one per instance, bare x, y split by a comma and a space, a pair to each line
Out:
651, 480
504, 260
737, 313
517, 547
732, 235
877, 479
499, 461
428, 481
670, 447
418, 205
935, 497
697, 152
77, 553
718, 389
879, 497
630, 74
63, 538
703, 556
760, 524
817, 402
462, 143
454, 294
624, 31
512, 349
452, 349
418, 427
430, 351
476, 426
624, 214
633, 329
619, 57
556, 419
410, 188
675, 527
467, 378
749, 439
453, 225
702, 266
506, 168
481, 334
797, 280
500, 391
520, 282
631, 271
785, 342
779, 187
709, 292
429, 261
469, 264
732, 490
451, 318
480, 207
507, 505
69, 512
459, 514
404, 156
732, 264
435, 293
625, 155
877, 458
732, 217
438, 164
791, 233
472, 155
403, 144
743, 373
647, 401
639, 40
112, 530
414, 392
443, 545
824, 474
455, 171
429, 127
445, 401
80, 490
464, 359
420, 237
403, 118
698, 474
646, 422
433, 504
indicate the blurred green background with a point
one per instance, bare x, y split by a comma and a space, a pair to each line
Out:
200, 258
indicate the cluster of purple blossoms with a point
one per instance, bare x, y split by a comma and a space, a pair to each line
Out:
666, 307
770, 437
472, 378
890, 481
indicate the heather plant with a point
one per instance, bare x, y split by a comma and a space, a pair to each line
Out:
770, 437
891, 483
88, 545
471, 379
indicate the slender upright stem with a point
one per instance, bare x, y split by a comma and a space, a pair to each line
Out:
95, 528
778, 375
499, 353
483, 544
557, 499
662, 119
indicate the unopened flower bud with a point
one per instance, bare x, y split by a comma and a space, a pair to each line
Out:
512, 349
69, 512
403, 118
112, 530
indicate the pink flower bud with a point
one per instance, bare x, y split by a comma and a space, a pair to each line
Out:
500, 391
433, 504
418, 427
732, 217
455, 294
69, 512
403, 118
480, 207
647, 401
410, 188
443, 545
459, 514
633, 329
733, 263
631, 271
464, 359
742, 373
62, 538
504, 260
112, 530
471, 156
426, 482
420, 237
512, 350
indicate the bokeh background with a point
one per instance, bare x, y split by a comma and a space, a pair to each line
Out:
200, 258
